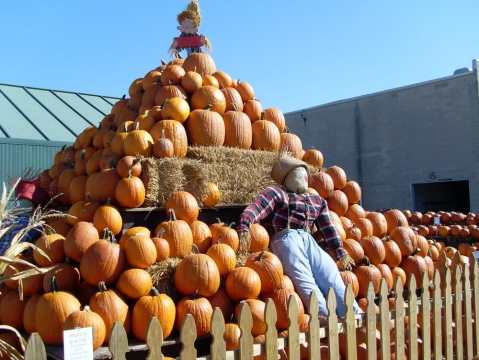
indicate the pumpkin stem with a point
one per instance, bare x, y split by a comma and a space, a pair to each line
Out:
102, 286
136, 125
209, 107
366, 261
172, 215
154, 291
53, 283
86, 308
195, 249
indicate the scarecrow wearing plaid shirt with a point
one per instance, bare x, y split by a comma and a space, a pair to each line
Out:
294, 212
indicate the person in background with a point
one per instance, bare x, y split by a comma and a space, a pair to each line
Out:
293, 212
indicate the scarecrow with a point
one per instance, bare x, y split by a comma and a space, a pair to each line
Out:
189, 39
293, 212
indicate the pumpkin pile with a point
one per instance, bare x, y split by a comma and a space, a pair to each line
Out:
182, 103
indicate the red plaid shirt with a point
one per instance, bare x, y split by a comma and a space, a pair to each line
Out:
293, 211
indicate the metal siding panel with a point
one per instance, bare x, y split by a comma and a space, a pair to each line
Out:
16, 157
99, 103
81, 106
48, 124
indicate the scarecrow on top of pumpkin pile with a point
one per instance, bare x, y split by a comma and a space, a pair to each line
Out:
293, 213
189, 39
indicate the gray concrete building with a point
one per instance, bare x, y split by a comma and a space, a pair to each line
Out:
413, 147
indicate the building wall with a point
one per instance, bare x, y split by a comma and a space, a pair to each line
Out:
389, 140
17, 155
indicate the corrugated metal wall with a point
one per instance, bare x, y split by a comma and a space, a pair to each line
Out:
17, 155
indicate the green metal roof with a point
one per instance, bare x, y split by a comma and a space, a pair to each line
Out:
54, 115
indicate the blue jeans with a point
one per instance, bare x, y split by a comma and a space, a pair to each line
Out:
310, 269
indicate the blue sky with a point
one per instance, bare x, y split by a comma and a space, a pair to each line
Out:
295, 53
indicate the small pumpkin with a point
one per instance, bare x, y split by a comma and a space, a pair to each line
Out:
162, 248
130, 192
156, 305
373, 249
266, 136
197, 274
129, 165
231, 336
257, 308
178, 234
211, 196
176, 108
201, 235
276, 116
259, 238
108, 217
163, 148
87, 318
173, 131
224, 256
322, 183
243, 283
314, 158
52, 245
140, 251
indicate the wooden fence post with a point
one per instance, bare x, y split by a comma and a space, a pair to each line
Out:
350, 324
293, 329
35, 348
218, 345
426, 318
384, 322
271, 341
246, 339
332, 326
314, 327
475, 296
437, 317
448, 315
118, 343
371, 324
399, 319
154, 340
467, 295
188, 337
412, 313
458, 312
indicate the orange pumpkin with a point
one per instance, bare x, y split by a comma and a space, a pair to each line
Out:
338, 202
373, 249
243, 283
129, 165
140, 251
130, 192
253, 109
322, 183
233, 100
222, 301
156, 305
81, 211
399, 273
223, 78
138, 142
266, 136
281, 300
197, 274
201, 235
238, 130
314, 158
395, 218
29, 314
292, 144
365, 226
178, 234
379, 223
162, 248
416, 266
211, 196
386, 275
11, 309
365, 275
191, 82
184, 206
79, 239
350, 278
224, 256
225, 235
246, 90
209, 97
405, 238
200, 309
173, 131
172, 75
339, 177
259, 238
393, 253
269, 268
354, 249
67, 278
52, 246
176, 108
206, 127
257, 311
276, 117
231, 336
108, 217
100, 186
87, 318
202, 63
168, 91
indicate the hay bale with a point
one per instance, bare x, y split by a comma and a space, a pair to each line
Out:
239, 174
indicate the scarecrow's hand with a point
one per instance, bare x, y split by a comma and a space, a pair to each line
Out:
345, 263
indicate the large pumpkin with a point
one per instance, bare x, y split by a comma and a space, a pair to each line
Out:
140, 251
414, 265
243, 283
168, 91
393, 253
224, 256
11, 309
100, 186
405, 238
276, 117
134, 283
79, 239
338, 202
173, 131
51, 312
246, 90
201, 235
354, 249
269, 268
365, 275
108, 217
253, 109
355, 212
206, 127
102, 261
178, 234
257, 308
338, 175
292, 144
184, 206
373, 249
191, 82
379, 223
176, 108
202, 63
238, 130
209, 97
111, 308
67, 278
365, 226
52, 245
200, 309
87, 318
266, 136
156, 305
259, 238
225, 235
172, 74
314, 158
281, 300
233, 99
197, 274
350, 278
322, 183
130, 192
395, 218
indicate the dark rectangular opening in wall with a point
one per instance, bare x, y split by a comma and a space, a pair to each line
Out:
446, 195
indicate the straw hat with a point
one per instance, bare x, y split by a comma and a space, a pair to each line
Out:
283, 166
